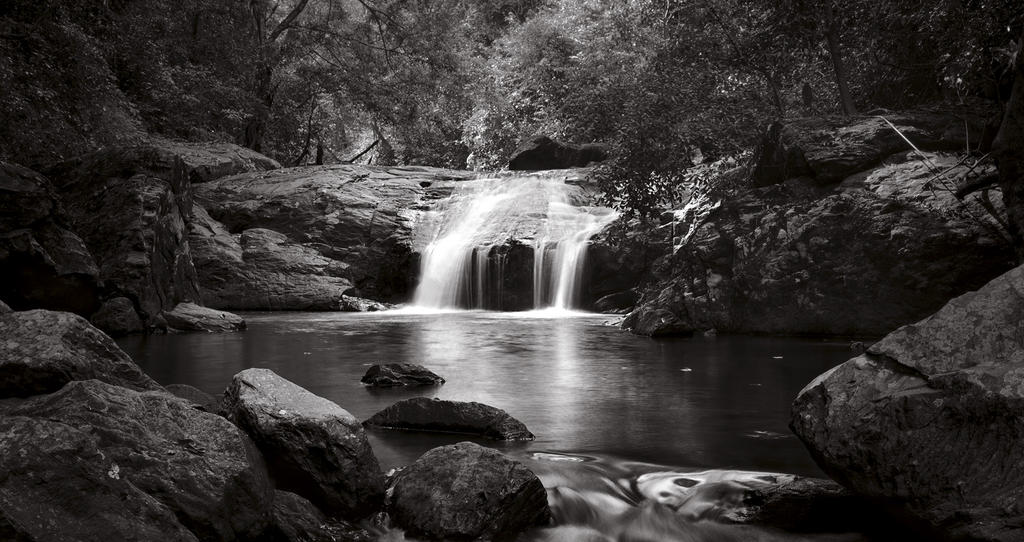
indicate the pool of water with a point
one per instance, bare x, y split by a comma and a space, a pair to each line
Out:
581, 386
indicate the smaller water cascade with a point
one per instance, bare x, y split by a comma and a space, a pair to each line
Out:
492, 239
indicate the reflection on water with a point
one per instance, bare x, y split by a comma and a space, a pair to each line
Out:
580, 386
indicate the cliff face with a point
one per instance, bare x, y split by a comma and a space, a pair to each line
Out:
836, 229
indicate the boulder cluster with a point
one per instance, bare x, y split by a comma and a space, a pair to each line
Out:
93, 449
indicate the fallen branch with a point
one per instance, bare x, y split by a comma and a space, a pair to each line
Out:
366, 150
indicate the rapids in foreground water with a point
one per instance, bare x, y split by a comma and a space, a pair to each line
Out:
621, 421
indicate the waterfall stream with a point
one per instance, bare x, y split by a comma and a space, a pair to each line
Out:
481, 237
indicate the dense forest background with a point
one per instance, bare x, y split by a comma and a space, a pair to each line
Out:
459, 83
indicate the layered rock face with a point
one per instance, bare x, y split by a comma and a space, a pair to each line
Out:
850, 234
43, 264
130, 206
933, 415
301, 237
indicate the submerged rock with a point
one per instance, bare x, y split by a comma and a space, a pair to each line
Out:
4, 309
467, 492
423, 414
542, 152
195, 464
56, 483
313, 447
933, 415
192, 317
43, 264
400, 374
41, 351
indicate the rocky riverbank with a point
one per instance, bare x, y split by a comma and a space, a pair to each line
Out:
96, 450
833, 228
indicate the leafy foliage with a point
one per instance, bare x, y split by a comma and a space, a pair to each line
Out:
668, 84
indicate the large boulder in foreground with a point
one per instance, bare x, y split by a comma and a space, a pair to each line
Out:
197, 465
542, 152
313, 447
192, 317
390, 375
467, 492
56, 483
933, 415
424, 414
43, 264
41, 351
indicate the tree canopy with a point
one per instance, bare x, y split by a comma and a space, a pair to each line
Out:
459, 83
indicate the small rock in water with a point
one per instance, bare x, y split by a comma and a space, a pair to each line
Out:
467, 492
400, 374
423, 414
686, 370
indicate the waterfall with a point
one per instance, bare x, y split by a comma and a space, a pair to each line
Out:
479, 239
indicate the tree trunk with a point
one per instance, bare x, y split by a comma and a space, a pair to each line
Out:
836, 53
1008, 148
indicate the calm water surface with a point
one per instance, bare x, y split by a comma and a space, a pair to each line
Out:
582, 387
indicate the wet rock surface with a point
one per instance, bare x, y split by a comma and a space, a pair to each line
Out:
43, 264
423, 414
400, 374
196, 465
467, 492
931, 415
41, 351
192, 317
313, 447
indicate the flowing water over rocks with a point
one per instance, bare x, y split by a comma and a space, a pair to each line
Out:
477, 236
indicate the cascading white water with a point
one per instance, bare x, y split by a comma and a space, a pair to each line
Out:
471, 233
